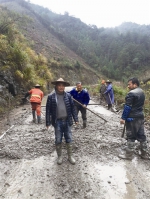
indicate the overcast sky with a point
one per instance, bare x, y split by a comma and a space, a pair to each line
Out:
102, 13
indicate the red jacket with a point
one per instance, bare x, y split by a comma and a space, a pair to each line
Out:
36, 95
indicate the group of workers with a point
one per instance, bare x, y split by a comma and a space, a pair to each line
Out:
63, 107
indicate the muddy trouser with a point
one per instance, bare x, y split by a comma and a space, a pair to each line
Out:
102, 98
83, 112
109, 106
135, 130
62, 128
36, 107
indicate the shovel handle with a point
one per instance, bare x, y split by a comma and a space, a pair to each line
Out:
123, 132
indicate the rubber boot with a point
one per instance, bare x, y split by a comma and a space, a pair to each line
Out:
129, 151
39, 119
109, 106
59, 153
84, 124
33, 114
69, 152
144, 154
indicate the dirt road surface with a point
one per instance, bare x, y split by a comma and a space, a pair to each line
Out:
28, 167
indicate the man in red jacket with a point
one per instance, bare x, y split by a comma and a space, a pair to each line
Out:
36, 96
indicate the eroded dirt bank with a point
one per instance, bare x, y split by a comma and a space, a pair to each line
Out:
28, 168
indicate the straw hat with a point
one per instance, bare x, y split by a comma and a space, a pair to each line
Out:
60, 80
108, 81
37, 85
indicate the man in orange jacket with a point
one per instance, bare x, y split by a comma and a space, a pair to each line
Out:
35, 100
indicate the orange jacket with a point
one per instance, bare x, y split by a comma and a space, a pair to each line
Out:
36, 95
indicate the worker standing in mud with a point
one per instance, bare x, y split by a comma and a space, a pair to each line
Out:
109, 94
133, 119
82, 96
59, 112
102, 90
35, 100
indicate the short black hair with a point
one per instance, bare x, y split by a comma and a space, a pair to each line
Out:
134, 80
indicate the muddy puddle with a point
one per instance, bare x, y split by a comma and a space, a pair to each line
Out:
28, 168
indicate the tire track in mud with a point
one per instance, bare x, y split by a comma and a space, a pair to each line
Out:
28, 167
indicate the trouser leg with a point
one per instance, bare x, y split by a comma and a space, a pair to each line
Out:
84, 118
144, 154
58, 141
59, 153
68, 138
129, 151
69, 152
38, 112
109, 106
33, 114
33, 106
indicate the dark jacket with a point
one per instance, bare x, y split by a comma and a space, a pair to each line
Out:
51, 109
135, 99
102, 89
82, 96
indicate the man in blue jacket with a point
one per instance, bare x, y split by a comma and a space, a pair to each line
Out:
133, 118
59, 112
82, 96
109, 94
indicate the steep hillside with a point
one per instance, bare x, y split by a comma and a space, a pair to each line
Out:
114, 52
41, 45
62, 61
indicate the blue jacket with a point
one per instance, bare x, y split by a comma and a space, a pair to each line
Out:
82, 96
51, 109
109, 94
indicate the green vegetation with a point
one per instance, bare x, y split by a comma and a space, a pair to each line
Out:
26, 67
146, 88
116, 53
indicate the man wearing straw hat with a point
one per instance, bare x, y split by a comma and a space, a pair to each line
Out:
59, 112
109, 94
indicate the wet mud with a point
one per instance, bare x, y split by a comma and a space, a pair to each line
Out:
29, 170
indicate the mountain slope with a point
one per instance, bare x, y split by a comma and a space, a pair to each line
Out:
62, 61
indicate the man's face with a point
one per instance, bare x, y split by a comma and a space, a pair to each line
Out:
60, 87
131, 86
79, 87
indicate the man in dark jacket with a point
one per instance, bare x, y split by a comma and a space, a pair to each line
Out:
133, 118
59, 112
102, 90
82, 96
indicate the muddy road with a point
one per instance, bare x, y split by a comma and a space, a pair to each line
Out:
28, 168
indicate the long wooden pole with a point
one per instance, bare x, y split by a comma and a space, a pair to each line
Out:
89, 110
88, 105
123, 132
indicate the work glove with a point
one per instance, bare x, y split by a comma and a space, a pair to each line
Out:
129, 119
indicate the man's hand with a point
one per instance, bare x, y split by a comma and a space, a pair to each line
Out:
84, 106
122, 121
47, 128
